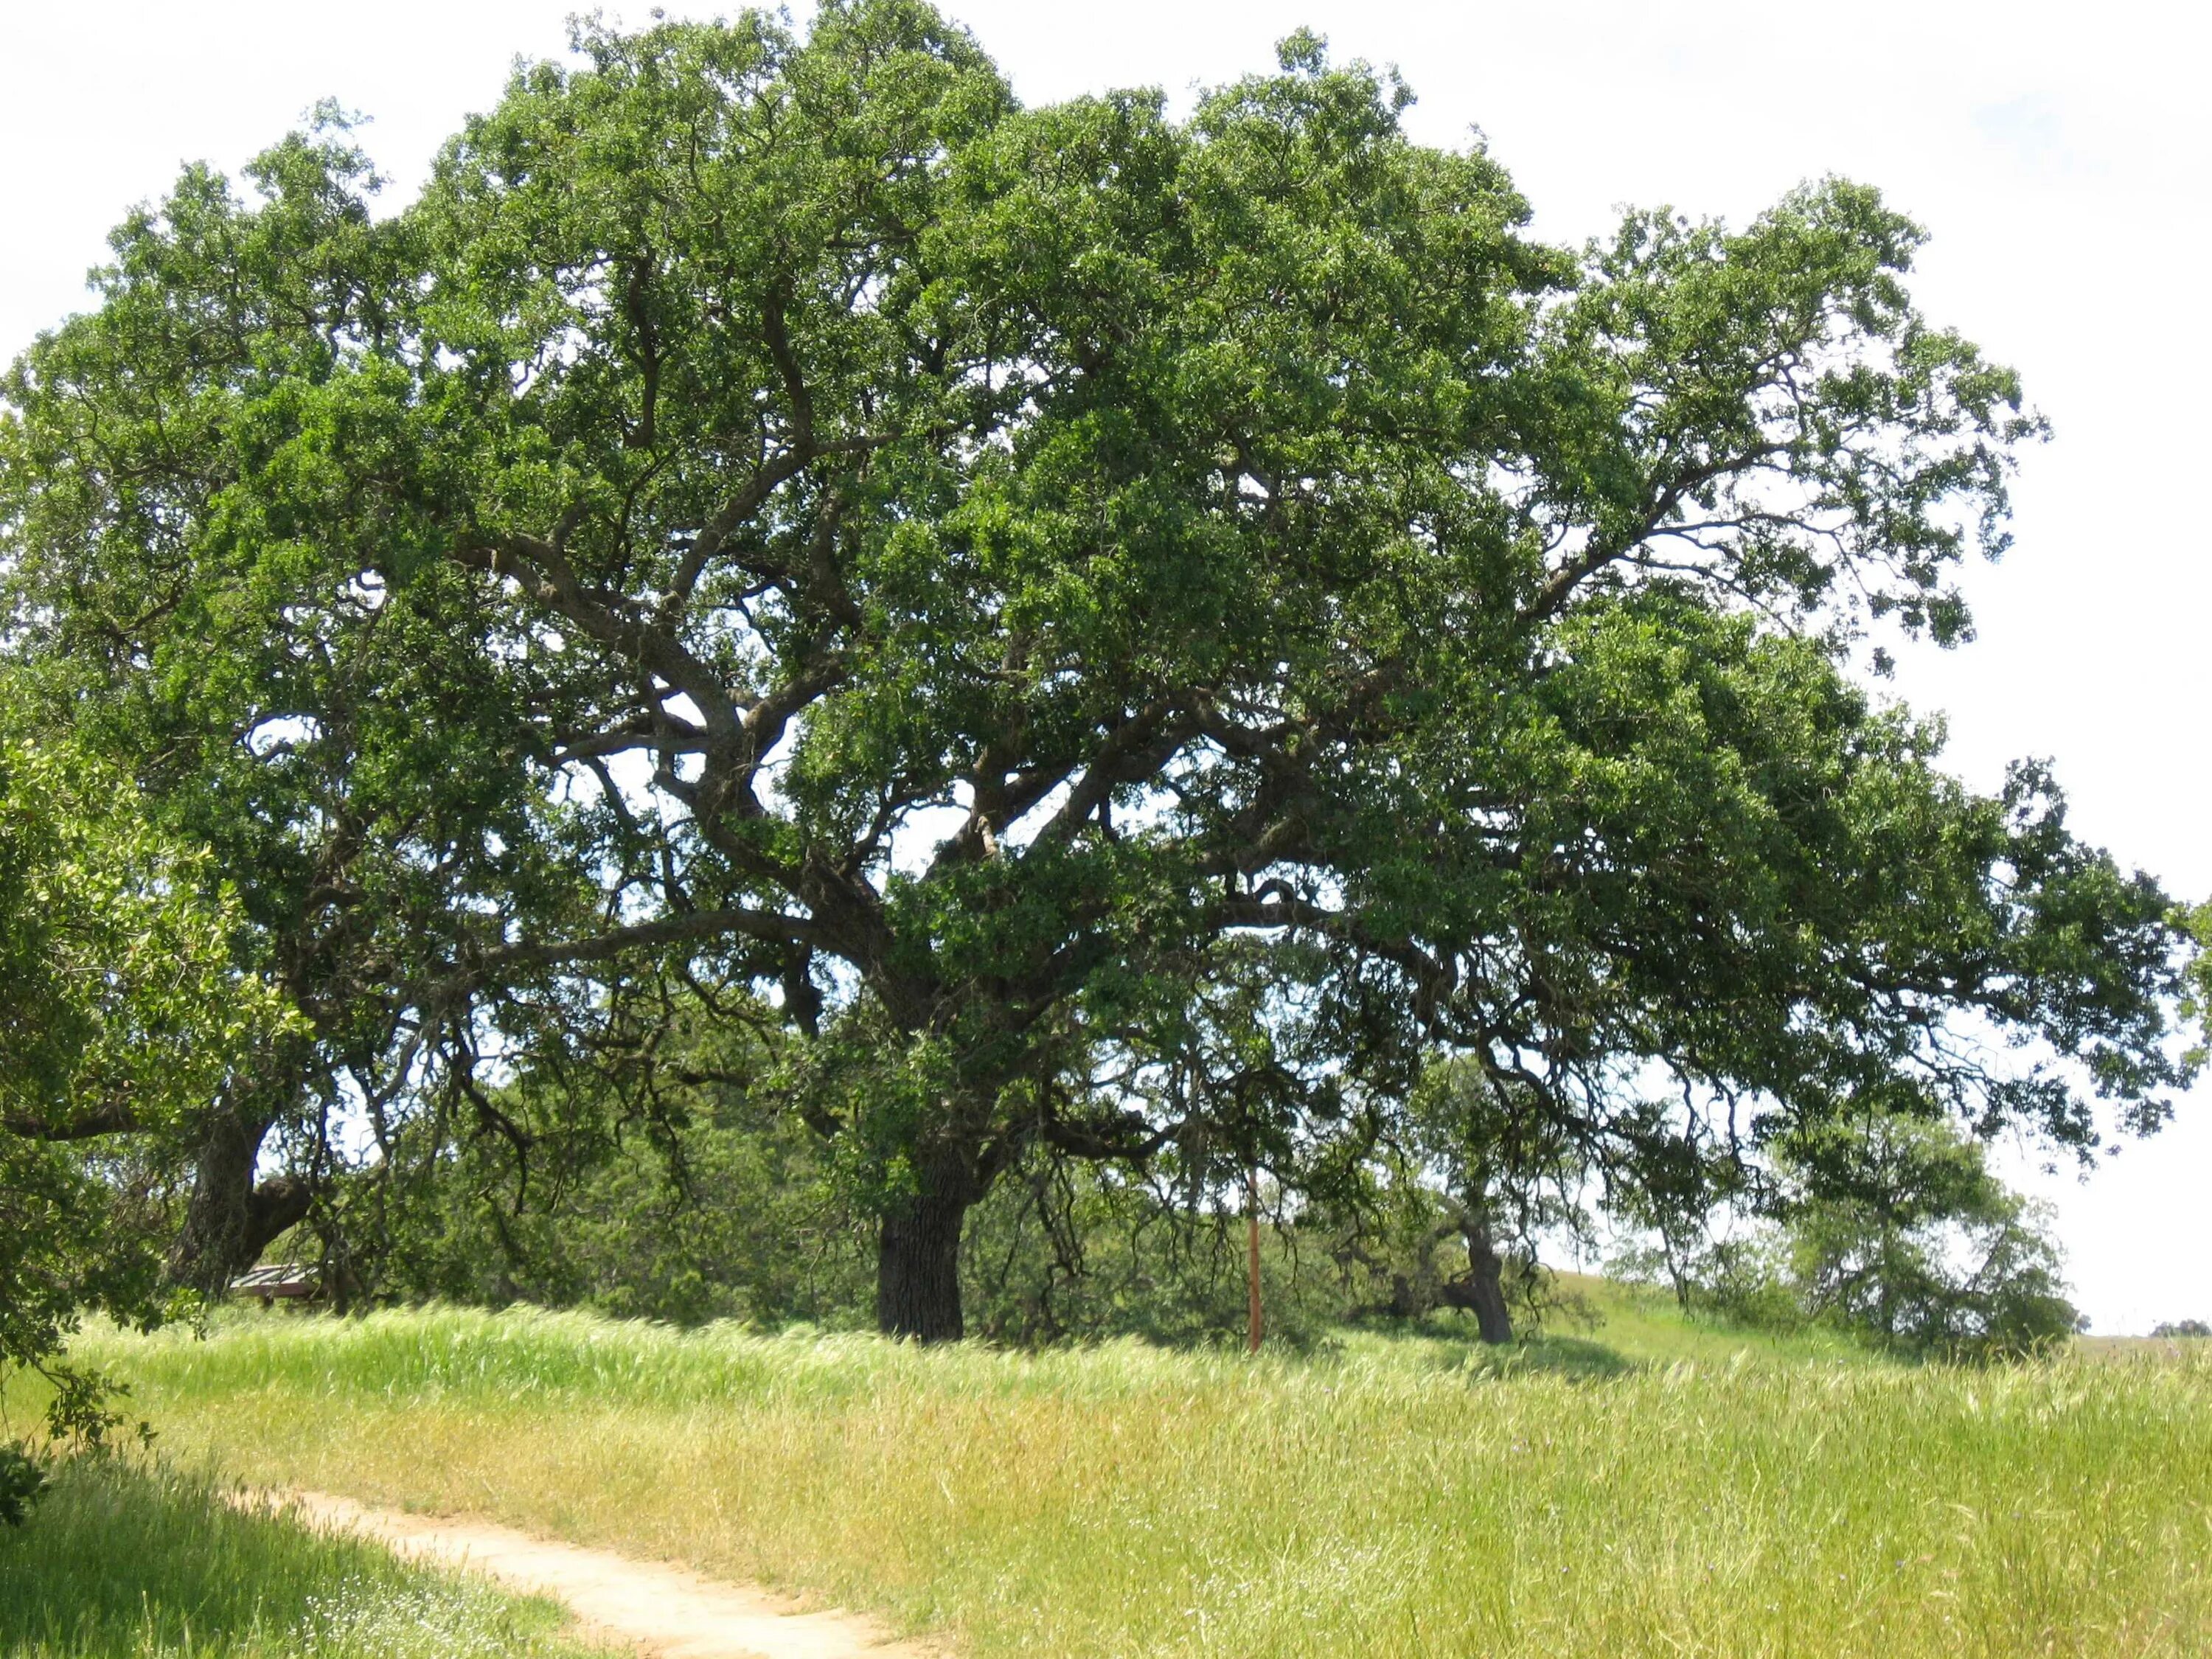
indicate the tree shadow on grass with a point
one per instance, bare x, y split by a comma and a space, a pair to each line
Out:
1571, 1356
1446, 1343
129, 1559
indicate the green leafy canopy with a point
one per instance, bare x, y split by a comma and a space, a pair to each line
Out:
1126, 631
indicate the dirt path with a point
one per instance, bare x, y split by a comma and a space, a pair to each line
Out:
661, 1610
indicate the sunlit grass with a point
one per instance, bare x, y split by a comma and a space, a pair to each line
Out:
1642, 1487
122, 1561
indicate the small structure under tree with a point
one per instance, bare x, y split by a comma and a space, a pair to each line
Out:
289, 1281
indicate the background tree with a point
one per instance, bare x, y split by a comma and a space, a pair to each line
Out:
124, 1012
1898, 1228
1137, 633
1895, 1229
202, 597
1506, 1174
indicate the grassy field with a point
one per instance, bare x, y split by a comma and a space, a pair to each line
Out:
122, 1562
1641, 1485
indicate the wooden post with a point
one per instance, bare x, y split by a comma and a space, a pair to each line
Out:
1252, 1277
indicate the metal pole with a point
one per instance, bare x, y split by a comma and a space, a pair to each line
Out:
1252, 1277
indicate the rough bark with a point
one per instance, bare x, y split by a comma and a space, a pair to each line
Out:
1483, 1288
232, 1218
918, 1267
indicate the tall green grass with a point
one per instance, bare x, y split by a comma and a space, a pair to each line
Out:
126, 1561
1400, 1495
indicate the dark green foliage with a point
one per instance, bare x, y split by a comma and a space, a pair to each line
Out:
1274, 571
1898, 1229
1072, 1251
205, 603
736, 1213
721, 1220
22, 1478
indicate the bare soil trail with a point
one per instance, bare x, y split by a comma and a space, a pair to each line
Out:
661, 1610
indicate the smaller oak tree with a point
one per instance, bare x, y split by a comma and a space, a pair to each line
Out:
124, 1011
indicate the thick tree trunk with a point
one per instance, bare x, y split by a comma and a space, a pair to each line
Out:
1486, 1283
231, 1219
918, 1266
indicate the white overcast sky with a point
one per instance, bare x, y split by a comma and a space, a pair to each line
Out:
2058, 153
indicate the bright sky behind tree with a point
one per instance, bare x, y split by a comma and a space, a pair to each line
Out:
2060, 155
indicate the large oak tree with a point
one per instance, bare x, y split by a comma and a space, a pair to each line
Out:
1131, 631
